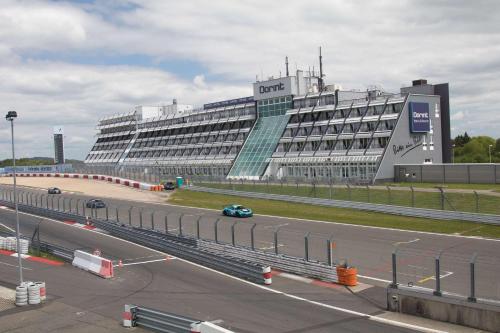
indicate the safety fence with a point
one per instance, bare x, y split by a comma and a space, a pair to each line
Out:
437, 197
159, 321
387, 209
245, 259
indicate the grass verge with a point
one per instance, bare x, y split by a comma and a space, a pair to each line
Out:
45, 255
465, 202
343, 215
459, 186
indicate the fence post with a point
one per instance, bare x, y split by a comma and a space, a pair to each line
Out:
166, 223
198, 227
252, 237
77, 204
472, 297
306, 246
64, 205
180, 224
153, 220
394, 283
130, 216
329, 251
276, 240
117, 215
232, 233
437, 292
412, 196
215, 231
389, 197
349, 193
107, 214
140, 218
476, 197
368, 192
330, 187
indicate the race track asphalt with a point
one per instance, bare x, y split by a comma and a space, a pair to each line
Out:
179, 287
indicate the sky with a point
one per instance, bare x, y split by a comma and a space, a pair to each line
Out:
70, 63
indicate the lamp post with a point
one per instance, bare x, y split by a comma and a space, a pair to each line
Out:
453, 153
489, 151
11, 115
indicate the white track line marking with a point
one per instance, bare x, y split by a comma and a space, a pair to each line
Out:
355, 313
7, 264
146, 262
7, 227
408, 242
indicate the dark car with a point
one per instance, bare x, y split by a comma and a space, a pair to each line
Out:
54, 190
169, 186
95, 203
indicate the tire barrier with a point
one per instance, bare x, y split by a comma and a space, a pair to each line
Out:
97, 265
158, 321
31, 293
114, 180
22, 295
10, 244
348, 276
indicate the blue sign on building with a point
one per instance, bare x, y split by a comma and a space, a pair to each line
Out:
420, 120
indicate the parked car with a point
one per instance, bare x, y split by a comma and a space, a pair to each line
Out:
237, 211
95, 203
169, 186
54, 190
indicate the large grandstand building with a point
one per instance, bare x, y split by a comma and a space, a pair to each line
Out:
292, 127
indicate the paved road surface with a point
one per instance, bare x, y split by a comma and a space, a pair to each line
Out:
179, 287
367, 248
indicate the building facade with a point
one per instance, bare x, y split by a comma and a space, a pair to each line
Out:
292, 127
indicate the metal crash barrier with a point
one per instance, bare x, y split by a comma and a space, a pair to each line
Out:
166, 322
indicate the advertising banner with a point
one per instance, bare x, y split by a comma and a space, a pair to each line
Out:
420, 120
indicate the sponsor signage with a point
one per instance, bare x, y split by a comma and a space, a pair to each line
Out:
273, 88
40, 168
420, 120
229, 102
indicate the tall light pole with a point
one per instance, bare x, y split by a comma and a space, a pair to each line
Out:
489, 151
11, 115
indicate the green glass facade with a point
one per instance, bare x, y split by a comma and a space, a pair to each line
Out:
254, 157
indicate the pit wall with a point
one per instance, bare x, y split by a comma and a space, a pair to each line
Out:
114, 180
447, 308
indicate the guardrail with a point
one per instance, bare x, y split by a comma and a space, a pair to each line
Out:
235, 266
380, 208
166, 322
315, 269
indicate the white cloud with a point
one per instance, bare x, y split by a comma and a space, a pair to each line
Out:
385, 43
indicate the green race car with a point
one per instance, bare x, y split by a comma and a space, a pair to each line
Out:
237, 211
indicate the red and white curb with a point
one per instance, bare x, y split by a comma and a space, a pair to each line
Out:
82, 226
32, 258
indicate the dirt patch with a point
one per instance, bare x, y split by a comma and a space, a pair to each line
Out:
95, 188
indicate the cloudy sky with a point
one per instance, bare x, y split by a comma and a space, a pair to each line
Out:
70, 63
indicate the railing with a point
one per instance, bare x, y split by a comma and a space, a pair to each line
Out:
381, 208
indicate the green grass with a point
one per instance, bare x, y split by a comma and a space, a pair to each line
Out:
465, 202
350, 216
45, 255
461, 186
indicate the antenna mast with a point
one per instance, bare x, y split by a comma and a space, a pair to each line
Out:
320, 83
286, 65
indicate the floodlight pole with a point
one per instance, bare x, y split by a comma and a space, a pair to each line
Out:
11, 115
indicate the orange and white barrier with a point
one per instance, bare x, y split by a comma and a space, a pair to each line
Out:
266, 273
94, 264
348, 276
110, 179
